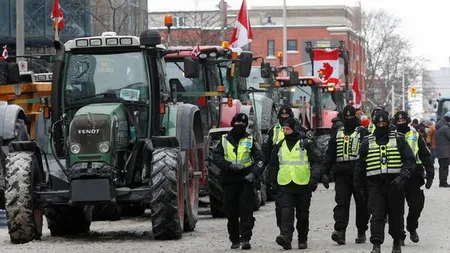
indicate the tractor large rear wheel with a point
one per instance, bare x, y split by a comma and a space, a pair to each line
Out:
191, 167
167, 203
24, 215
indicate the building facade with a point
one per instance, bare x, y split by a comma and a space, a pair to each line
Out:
324, 26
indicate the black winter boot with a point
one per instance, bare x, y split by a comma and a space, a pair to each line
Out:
414, 236
397, 247
246, 245
302, 245
376, 248
284, 242
361, 238
235, 245
339, 237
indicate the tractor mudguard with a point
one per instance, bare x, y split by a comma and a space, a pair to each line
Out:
9, 115
188, 117
164, 141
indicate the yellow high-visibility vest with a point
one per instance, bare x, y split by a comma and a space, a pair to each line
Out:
244, 151
294, 165
384, 159
347, 146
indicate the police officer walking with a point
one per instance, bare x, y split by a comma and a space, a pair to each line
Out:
240, 160
341, 156
414, 195
386, 163
296, 170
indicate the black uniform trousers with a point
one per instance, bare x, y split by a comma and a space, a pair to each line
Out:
443, 170
291, 203
385, 199
238, 205
344, 190
416, 201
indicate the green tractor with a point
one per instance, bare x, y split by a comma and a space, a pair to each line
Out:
112, 135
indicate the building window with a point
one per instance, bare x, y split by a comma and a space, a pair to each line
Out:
270, 48
179, 21
292, 45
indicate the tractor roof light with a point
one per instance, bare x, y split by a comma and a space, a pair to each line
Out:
277, 84
331, 88
168, 20
280, 55
234, 55
225, 44
310, 82
221, 88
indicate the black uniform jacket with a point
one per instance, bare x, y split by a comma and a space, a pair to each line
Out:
347, 167
228, 176
406, 154
425, 157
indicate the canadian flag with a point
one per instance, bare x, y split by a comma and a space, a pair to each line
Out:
357, 92
326, 65
5, 53
196, 51
242, 33
57, 15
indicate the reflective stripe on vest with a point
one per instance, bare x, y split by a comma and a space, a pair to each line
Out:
278, 133
412, 137
294, 165
384, 159
347, 147
371, 128
243, 153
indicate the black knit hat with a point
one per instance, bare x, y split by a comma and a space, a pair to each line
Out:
240, 117
290, 122
349, 112
285, 110
402, 115
381, 116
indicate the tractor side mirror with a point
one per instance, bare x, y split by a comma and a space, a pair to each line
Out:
245, 65
265, 70
177, 88
13, 73
293, 77
435, 106
430, 101
191, 67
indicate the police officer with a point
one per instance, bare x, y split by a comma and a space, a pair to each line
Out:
414, 195
296, 170
342, 153
386, 162
240, 160
372, 116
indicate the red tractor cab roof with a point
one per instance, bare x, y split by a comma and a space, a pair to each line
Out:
185, 51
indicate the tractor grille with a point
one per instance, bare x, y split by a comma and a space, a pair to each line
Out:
89, 131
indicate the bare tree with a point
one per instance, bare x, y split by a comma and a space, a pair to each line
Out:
388, 52
195, 28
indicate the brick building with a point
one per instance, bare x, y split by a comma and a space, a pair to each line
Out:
324, 26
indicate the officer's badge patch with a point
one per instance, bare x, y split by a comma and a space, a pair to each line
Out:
347, 138
348, 113
400, 116
381, 118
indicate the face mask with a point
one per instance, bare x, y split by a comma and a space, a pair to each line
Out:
238, 131
381, 131
281, 120
351, 123
403, 128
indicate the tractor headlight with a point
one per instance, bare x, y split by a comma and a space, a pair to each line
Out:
75, 148
103, 147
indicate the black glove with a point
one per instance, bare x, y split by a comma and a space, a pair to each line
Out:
312, 186
235, 167
250, 177
429, 183
325, 181
398, 183
272, 188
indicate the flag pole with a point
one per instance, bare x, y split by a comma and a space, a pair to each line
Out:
55, 23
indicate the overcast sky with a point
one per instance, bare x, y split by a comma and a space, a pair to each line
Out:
425, 23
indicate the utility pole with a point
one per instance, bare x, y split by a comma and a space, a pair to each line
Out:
143, 15
285, 63
393, 101
223, 14
20, 30
403, 87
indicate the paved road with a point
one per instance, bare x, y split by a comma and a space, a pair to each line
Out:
134, 235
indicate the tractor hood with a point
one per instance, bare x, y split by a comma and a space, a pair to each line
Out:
98, 130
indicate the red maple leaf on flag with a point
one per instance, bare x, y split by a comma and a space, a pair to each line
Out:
327, 71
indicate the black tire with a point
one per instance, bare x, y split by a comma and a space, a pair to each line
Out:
107, 212
64, 220
167, 204
215, 192
22, 135
24, 216
191, 166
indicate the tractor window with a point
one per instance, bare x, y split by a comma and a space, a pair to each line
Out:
91, 77
328, 101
